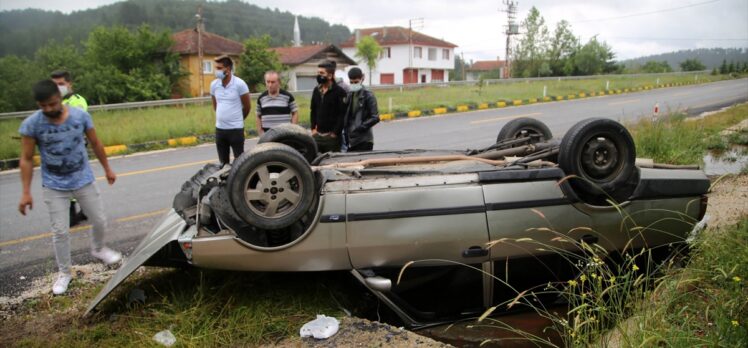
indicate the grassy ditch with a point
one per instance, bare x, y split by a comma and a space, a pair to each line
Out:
675, 139
201, 309
138, 126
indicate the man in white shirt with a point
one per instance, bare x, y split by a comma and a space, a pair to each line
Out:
231, 104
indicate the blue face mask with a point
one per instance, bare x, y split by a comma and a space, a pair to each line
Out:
355, 87
220, 74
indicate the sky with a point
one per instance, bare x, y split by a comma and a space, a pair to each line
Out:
633, 28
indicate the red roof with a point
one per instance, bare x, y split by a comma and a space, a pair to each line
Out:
487, 65
387, 36
292, 56
185, 42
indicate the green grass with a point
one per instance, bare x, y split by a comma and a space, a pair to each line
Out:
201, 309
137, 126
675, 140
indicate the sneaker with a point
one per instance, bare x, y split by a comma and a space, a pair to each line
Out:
61, 285
107, 256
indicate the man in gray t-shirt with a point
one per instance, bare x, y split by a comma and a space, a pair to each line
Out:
58, 131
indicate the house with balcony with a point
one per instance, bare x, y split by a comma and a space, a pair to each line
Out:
407, 56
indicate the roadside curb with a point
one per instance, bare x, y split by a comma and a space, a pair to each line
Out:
441, 110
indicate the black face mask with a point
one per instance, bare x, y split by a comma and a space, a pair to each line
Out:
53, 114
321, 79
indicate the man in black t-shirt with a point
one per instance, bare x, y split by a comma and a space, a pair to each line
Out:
275, 106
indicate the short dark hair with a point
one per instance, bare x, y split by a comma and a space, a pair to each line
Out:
329, 66
44, 90
225, 61
61, 74
355, 73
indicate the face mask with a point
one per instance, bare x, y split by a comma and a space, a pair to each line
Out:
220, 74
63, 90
321, 79
355, 87
53, 114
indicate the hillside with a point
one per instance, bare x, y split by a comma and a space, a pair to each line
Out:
26, 30
711, 57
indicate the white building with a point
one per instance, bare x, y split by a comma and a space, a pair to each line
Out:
407, 56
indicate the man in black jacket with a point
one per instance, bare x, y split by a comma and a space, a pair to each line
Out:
361, 114
327, 109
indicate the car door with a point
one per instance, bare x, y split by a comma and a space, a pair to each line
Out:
439, 223
530, 221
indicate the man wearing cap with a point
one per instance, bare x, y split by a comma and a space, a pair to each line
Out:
361, 115
230, 96
327, 109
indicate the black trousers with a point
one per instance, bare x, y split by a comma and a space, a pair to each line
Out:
229, 139
365, 146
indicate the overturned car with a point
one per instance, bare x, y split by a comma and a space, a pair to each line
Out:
283, 207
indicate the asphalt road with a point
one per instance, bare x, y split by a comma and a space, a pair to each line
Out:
147, 182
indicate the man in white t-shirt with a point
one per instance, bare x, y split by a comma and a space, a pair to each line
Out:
231, 104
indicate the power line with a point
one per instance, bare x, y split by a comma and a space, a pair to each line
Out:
645, 13
674, 39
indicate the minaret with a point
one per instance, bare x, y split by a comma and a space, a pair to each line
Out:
296, 32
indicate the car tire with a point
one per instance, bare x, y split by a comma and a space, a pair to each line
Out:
271, 186
523, 127
294, 136
601, 154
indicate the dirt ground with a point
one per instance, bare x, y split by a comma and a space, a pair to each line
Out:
727, 203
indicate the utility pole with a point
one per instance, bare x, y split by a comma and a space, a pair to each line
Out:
419, 23
511, 29
199, 17
462, 60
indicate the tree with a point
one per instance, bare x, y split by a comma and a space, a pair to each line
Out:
723, 67
120, 65
532, 49
692, 65
563, 46
256, 60
656, 67
594, 58
368, 49
16, 82
456, 73
731, 67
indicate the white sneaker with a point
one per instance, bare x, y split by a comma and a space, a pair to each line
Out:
107, 256
61, 285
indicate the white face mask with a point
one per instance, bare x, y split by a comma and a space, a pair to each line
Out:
355, 87
220, 74
63, 90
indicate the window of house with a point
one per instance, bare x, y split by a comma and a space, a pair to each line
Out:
207, 66
445, 54
417, 52
432, 53
385, 53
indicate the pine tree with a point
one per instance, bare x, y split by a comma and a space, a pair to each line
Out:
714, 71
723, 67
731, 67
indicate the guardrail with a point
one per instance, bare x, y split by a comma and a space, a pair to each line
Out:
203, 100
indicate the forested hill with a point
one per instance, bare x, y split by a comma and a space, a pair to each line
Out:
710, 57
26, 30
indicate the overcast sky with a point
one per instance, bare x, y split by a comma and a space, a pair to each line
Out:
633, 28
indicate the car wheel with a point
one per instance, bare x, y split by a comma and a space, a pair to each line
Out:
294, 136
601, 153
271, 186
525, 127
